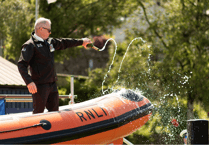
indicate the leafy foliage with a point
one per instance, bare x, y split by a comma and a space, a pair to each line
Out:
16, 25
178, 32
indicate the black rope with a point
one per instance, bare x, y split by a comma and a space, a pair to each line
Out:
35, 125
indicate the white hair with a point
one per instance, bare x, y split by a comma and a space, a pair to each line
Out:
41, 21
183, 132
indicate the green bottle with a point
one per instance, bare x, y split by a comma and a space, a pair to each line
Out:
92, 46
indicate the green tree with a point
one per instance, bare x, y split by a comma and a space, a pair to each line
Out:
181, 27
16, 23
178, 31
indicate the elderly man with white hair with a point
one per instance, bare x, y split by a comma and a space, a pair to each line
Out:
38, 53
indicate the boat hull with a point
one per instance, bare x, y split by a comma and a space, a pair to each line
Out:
97, 121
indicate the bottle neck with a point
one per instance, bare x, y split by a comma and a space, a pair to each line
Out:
92, 46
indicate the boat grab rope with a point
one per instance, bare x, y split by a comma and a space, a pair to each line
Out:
35, 125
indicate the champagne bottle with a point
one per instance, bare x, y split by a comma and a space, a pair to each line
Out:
90, 45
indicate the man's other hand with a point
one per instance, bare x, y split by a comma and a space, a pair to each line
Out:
32, 88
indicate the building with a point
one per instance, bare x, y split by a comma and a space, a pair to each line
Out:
12, 84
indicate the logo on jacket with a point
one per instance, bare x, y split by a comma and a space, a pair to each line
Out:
51, 48
39, 45
24, 49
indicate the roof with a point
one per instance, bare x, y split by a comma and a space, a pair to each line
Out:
9, 73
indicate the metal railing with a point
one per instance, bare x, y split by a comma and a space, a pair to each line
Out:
26, 98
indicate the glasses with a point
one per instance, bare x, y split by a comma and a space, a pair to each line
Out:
49, 30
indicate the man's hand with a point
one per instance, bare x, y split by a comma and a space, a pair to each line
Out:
32, 88
85, 42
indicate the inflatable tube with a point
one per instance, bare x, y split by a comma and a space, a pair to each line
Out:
97, 121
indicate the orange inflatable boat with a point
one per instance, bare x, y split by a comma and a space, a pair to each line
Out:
98, 121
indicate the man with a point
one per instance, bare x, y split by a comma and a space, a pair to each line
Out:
183, 134
38, 54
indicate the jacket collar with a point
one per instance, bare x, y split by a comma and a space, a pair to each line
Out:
36, 38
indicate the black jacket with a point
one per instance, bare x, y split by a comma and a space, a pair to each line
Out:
40, 57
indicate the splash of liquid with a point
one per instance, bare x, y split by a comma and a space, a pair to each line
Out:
170, 136
111, 62
137, 38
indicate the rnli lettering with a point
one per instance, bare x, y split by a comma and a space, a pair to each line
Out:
97, 114
81, 116
90, 114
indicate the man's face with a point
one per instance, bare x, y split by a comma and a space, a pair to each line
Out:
45, 31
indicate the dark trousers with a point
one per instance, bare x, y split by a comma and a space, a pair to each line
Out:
46, 96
